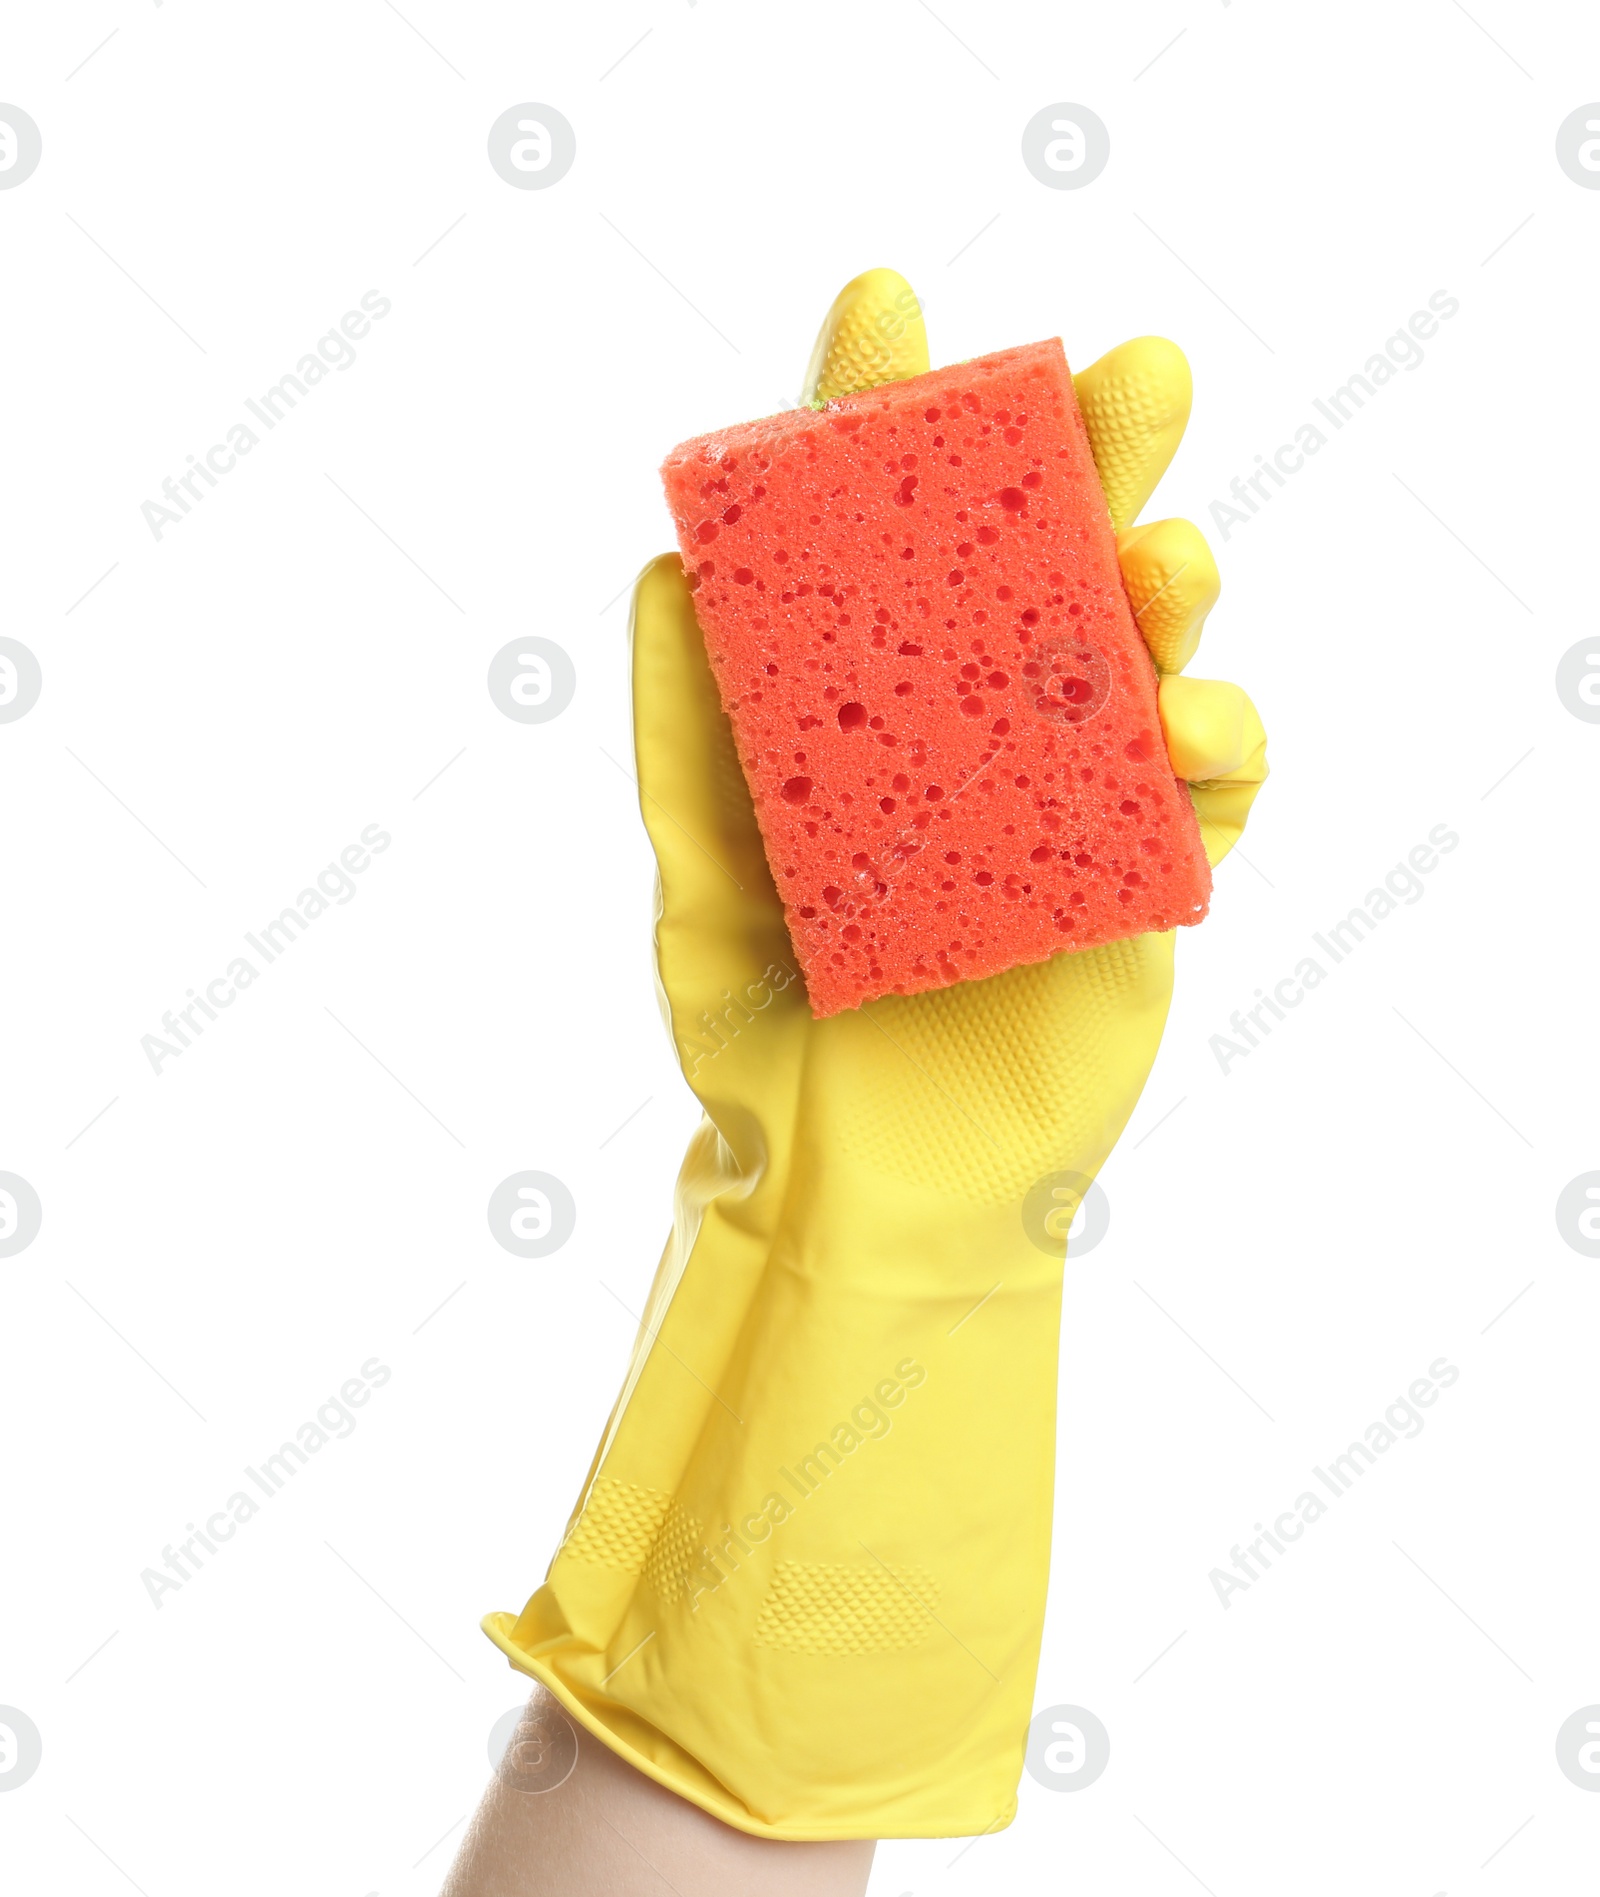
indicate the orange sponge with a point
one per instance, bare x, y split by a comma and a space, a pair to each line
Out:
944, 709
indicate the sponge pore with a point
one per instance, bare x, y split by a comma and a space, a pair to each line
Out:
945, 712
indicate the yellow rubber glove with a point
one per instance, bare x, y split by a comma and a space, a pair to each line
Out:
805, 1582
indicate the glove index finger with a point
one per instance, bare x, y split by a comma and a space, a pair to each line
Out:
874, 333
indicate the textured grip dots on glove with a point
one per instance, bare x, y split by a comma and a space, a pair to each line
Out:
873, 334
828, 1610
807, 1609
979, 1090
1135, 402
638, 1531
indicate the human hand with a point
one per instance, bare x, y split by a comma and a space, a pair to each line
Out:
825, 1490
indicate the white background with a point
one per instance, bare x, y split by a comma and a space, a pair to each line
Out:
230, 706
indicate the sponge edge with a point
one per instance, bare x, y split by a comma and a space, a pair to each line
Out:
943, 706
